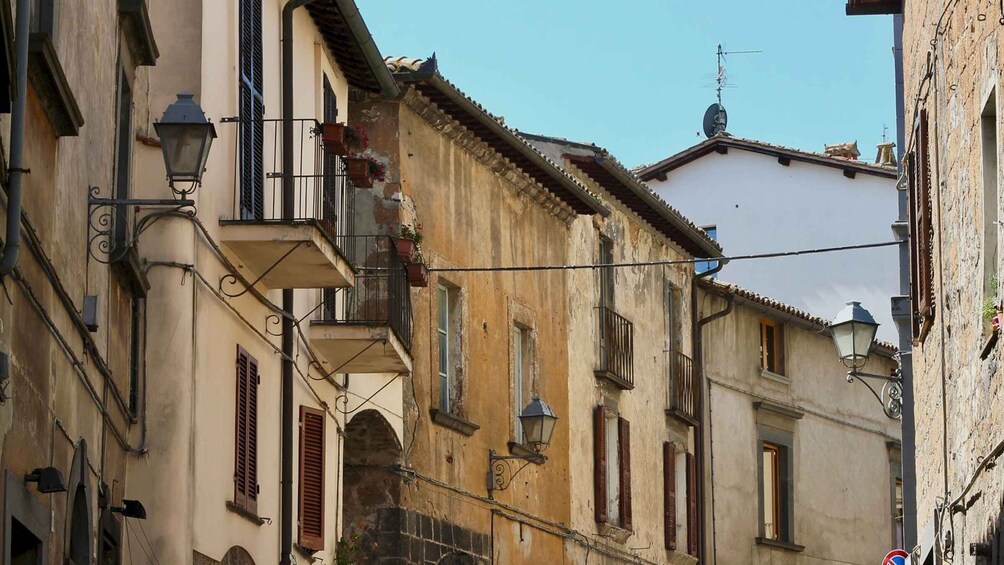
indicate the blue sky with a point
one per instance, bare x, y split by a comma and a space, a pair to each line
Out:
636, 76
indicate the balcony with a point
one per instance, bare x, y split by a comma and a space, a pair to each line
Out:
287, 252
684, 389
616, 349
366, 328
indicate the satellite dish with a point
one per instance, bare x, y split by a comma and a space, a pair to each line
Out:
715, 119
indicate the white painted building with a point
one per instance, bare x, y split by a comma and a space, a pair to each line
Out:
760, 197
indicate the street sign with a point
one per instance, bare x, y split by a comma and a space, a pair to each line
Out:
896, 557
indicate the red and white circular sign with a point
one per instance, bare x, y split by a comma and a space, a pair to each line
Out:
896, 557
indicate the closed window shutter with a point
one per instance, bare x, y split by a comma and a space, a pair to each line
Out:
922, 222
624, 447
692, 518
252, 110
311, 533
600, 462
779, 348
669, 492
246, 433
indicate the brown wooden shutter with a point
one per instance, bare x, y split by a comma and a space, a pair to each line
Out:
311, 501
600, 462
922, 229
692, 518
246, 432
779, 348
624, 449
669, 492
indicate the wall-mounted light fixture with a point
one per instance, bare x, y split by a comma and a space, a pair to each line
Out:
853, 333
130, 509
537, 421
48, 479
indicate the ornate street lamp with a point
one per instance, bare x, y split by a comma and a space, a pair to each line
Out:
185, 137
853, 332
537, 421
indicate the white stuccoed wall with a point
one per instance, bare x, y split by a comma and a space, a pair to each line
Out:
762, 206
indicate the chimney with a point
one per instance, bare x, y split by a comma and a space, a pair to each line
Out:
885, 156
848, 150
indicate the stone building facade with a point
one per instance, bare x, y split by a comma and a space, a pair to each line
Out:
951, 59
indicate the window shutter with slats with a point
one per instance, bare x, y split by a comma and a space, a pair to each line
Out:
624, 447
246, 433
252, 111
669, 492
692, 519
252, 435
311, 501
600, 462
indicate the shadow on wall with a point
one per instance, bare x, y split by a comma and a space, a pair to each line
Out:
991, 550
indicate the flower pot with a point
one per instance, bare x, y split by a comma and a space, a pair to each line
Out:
359, 173
418, 274
406, 249
334, 138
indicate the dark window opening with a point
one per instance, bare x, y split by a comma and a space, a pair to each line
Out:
123, 162
25, 548
606, 273
42, 17
80, 550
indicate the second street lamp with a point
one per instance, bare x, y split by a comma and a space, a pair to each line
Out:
537, 420
185, 138
853, 331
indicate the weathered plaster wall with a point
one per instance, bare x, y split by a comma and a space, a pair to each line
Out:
958, 395
842, 476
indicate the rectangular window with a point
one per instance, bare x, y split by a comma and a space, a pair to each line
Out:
252, 111
522, 376
991, 204
246, 433
669, 493
311, 491
136, 349
25, 548
606, 273
612, 468
775, 469
771, 491
42, 17
704, 266
449, 332
772, 346
898, 540
336, 209
123, 162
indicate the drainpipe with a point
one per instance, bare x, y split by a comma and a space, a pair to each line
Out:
288, 202
698, 325
15, 174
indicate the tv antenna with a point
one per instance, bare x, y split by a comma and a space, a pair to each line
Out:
715, 118
722, 79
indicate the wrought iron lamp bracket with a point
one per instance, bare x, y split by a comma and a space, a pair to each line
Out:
500, 469
101, 213
890, 395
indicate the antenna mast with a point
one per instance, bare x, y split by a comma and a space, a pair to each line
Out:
721, 80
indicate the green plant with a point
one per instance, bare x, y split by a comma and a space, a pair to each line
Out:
348, 551
990, 303
414, 234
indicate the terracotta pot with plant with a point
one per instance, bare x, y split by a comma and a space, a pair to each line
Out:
340, 139
363, 171
418, 273
408, 241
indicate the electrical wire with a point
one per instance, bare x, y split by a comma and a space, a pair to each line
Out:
771, 255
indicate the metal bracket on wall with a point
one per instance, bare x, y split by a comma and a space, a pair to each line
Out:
101, 214
232, 279
890, 396
500, 469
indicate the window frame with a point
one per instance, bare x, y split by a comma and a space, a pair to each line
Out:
705, 266
523, 377
608, 279
251, 108
312, 540
246, 467
783, 443
612, 469
449, 333
772, 358
42, 17
989, 144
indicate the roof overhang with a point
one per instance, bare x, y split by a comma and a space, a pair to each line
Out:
873, 7
427, 81
722, 143
350, 42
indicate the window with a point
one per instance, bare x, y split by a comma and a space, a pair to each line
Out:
898, 539
336, 210
42, 17
991, 201
136, 349
246, 433
25, 548
612, 468
772, 346
921, 228
669, 493
776, 486
311, 491
449, 332
522, 360
252, 112
704, 266
123, 163
606, 273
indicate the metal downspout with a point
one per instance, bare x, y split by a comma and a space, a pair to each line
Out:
698, 324
288, 202
16, 170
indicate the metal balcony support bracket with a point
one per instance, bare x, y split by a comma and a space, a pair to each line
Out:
500, 469
101, 214
890, 396
232, 279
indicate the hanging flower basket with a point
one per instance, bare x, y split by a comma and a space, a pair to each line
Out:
363, 171
340, 139
407, 242
418, 274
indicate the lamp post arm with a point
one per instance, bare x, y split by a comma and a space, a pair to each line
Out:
500, 471
861, 374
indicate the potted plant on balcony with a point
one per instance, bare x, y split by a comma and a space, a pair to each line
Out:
363, 171
407, 242
418, 272
341, 139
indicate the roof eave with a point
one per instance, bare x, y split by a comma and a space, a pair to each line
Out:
368, 47
641, 191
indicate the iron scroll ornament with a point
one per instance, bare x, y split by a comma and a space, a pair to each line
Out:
501, 470
101, 214
890, 395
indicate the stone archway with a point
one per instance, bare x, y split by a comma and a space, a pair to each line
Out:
237, 555
458, 558
369, 485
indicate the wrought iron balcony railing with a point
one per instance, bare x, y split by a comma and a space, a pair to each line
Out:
322, 192
381, 295
616, 362
684, 388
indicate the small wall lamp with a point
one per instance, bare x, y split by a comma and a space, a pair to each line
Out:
537, 421
49, 480
130, 509
853, 333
